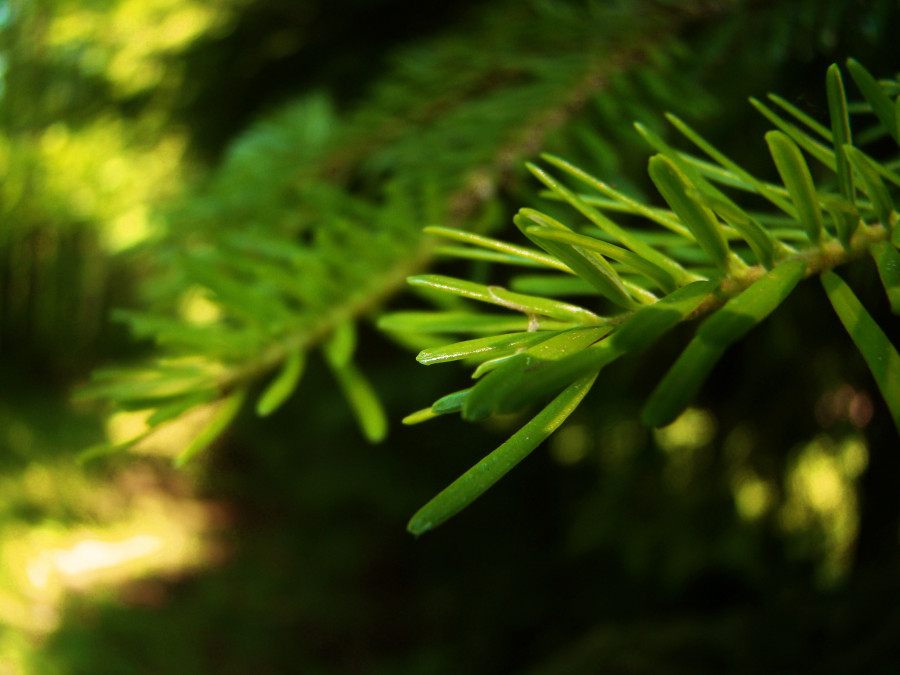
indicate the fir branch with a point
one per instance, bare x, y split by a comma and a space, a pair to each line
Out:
288, 262
753, 272
288, 265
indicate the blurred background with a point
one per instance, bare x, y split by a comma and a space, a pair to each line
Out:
759, 533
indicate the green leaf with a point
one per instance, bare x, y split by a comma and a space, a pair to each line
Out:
588, 265
880, 355
532, 378
474, 482
681, 383
680, 159
872, 184
763, 189
673, 184
881, 169
419, 416
465, 322
620, 234
362, 399
514, 252
714, 173
887, 258
822, 154
471, 253
341, 344
881, 103
656, 274
280, 389
762, 243
823, 131
714, 336
754, 304
493, 392
481, 347
844, 216
645, 327
840, 129
491, 365
795, 173
551, 285
496, 295
227, 410
620, 202
451, 402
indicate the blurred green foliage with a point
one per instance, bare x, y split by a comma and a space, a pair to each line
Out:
758, 536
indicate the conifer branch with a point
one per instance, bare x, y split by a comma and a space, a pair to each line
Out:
742, 272
360, 246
